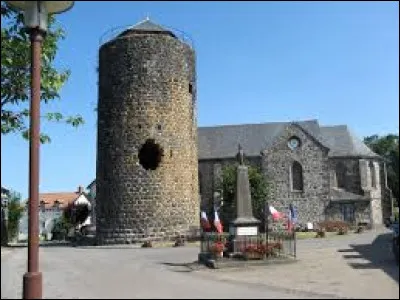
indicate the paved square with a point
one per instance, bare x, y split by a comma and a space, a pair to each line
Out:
341, 267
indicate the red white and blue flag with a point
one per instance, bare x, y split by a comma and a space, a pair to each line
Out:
276, 215
217, 222
205, 223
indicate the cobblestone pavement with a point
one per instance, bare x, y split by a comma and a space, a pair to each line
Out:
125, 272
355, 266
5, 251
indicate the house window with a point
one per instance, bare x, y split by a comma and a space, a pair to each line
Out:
372, 174
42, 206
341, 175
56, 204
297, 176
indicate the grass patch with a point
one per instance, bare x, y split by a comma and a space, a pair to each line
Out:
171, 244
312, 235
305, 235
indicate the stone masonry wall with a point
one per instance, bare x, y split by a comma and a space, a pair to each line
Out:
147, 90
277, 161
352, 173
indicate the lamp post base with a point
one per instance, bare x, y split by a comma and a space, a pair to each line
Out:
32, 285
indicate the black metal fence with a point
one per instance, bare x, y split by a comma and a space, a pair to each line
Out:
276, 244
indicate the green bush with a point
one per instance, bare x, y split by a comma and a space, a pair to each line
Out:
15, 212
334, 226
259, 189
60, 229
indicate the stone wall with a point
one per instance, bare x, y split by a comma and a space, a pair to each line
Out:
362, 211
352, 173
277, 162
147, 90
386, 193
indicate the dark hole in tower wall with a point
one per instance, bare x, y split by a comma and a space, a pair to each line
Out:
190, 88
150, 155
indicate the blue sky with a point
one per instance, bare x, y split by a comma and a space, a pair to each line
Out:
337, 62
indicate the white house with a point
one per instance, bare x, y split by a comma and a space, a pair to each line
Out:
51, 208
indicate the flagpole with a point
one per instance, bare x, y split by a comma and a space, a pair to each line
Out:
266, 210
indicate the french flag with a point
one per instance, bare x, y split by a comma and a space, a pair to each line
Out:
205, 224
217, 222
292, 218
276, 215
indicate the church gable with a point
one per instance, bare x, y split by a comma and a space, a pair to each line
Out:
296, 163
296, 142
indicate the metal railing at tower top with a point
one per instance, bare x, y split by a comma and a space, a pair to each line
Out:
114, 32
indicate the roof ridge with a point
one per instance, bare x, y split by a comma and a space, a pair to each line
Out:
261, 123
334, 126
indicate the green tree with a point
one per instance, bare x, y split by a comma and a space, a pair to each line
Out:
15, 212
388, 147
15, 74
259, 189
61, 228
76, 214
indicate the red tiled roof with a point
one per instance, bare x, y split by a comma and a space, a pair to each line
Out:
64, 199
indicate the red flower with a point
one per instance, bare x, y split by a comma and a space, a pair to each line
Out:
218, 247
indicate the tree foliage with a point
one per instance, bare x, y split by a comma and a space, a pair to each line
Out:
15, 74
77, 214
259, 189
388, 147
15, 212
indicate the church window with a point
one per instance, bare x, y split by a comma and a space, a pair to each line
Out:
297, 176
341, 175
372, 174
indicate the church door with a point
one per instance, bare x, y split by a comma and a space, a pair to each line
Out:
348, 212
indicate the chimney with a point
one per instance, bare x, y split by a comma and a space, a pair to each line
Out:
80, 189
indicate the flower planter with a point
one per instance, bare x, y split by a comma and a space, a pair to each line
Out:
254, 255
218, 255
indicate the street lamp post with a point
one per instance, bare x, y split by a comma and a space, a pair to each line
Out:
35, 20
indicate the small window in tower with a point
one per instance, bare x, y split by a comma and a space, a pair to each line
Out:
190, 88
139, 126
159, 127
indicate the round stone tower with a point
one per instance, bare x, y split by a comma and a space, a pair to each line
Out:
147, 168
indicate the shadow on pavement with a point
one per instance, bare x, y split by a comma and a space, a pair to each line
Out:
183, 267
378, 254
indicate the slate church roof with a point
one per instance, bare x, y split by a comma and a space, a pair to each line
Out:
222, 141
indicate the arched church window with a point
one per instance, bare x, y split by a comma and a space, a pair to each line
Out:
341, 175
372, 172
297, 176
